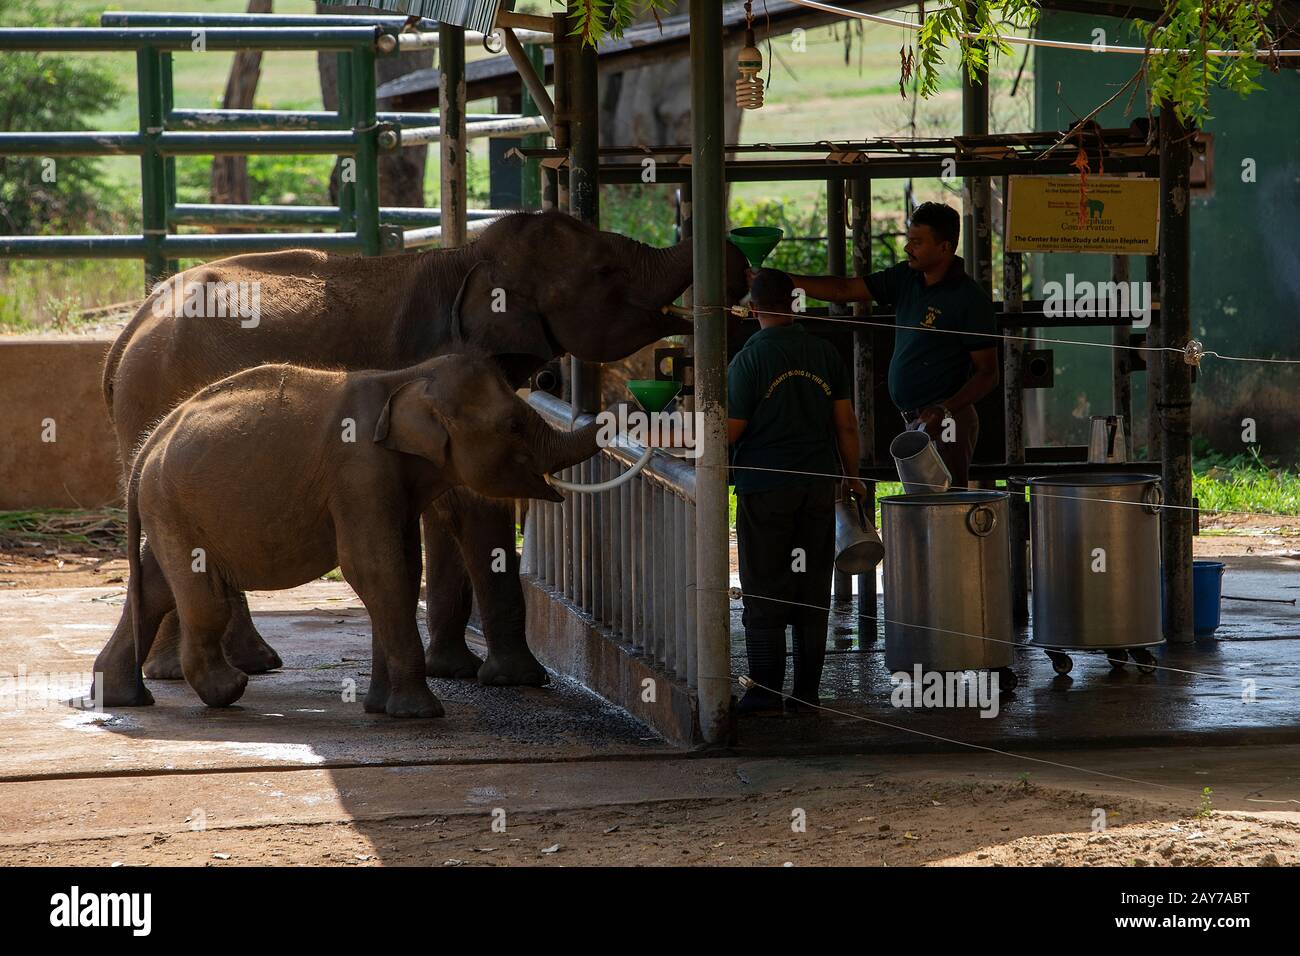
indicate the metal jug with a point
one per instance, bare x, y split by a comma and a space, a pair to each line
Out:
858, 548
1106, 442
920, 468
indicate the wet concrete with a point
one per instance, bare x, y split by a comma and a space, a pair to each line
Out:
1194, 697
307, 714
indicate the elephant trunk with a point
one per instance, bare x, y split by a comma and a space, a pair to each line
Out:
557, 450
660, 276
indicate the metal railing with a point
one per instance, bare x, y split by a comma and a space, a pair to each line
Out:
354, 130
625, 557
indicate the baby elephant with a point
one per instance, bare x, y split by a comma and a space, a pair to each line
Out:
270, 478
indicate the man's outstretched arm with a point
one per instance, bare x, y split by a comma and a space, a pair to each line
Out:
834, 288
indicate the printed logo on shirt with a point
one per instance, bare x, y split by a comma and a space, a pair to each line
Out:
821, 382
931, 316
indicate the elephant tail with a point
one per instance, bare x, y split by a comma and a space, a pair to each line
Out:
135, 583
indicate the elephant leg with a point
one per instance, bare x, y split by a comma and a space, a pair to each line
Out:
243, 646
117, 680
246, 648
164, 661
448, 600
486, 534
203, 607
390, 599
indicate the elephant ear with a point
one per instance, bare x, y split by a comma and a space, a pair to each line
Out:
408, 425
506, 324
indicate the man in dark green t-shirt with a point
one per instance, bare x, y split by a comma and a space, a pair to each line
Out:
945, 349
792, 425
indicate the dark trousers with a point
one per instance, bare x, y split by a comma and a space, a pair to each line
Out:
956, 454
785, 539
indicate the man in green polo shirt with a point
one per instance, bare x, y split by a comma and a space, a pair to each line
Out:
793, 429
945, 354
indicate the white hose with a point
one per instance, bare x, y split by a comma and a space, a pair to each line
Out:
603, 485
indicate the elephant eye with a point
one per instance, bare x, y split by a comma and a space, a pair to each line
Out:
604, 272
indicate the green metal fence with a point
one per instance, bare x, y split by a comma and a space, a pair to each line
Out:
356, 130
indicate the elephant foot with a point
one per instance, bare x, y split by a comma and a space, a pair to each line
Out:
451, 660
416, 701
118, 691
164, 661
220, 686
246, 649
514, 669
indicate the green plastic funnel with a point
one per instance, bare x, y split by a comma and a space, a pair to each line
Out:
653, 395
756, 242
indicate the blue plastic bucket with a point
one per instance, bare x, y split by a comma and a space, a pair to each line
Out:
1207, 592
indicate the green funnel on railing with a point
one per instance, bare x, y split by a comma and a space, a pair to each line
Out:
653, 395
755, 242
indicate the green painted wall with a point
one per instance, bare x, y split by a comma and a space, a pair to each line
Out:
1245, 247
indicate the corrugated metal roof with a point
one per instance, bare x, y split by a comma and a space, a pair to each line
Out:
472, 14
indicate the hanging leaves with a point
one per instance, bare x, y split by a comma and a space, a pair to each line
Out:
1188, 30
905, 69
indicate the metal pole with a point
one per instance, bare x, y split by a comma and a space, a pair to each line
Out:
563, 52
1155, 367
153, 172
362, 89
531, 72
347, 184
978, 228
169, 164
530, 182
1121, 381
584, 186
1175, 402
708, 193
835, 265
863, 373
451, 120
1013, 404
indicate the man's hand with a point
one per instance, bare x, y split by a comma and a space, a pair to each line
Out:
855, 487
932, 417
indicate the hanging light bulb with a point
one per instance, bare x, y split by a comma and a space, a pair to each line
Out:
749, 88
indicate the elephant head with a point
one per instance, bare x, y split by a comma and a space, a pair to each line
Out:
546, 284
461, 414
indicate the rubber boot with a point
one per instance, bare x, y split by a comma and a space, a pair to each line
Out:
809, 657
765, 648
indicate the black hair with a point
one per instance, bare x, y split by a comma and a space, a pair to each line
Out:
771, 290
942, 220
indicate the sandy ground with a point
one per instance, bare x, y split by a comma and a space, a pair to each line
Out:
891, 816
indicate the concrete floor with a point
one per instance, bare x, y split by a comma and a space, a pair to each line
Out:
295, 717
1194, 697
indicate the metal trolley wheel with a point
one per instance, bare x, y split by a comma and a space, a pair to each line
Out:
1144, 660
1061, 663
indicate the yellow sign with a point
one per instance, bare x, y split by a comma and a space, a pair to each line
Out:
1120, 215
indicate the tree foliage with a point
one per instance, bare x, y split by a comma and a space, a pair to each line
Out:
41, 92
1186, 71
1179, 66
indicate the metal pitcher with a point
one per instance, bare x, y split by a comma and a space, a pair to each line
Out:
1106, 443
920, 468
858, 548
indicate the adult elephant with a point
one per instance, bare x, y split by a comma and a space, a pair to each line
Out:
531, 287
